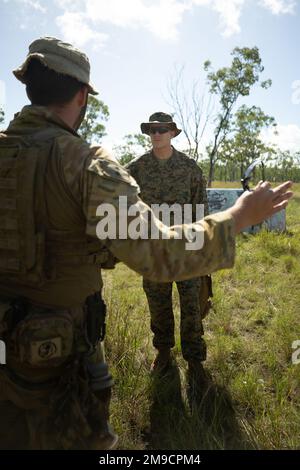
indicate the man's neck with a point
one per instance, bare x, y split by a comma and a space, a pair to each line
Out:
65, 114
163, 153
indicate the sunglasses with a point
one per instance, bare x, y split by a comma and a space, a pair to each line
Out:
160, 130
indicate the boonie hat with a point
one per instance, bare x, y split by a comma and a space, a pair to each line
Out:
160, 118
60, 57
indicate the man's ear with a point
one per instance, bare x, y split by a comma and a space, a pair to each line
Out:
82, 96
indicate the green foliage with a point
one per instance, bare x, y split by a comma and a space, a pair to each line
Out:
228, 84
1, 115
285, 165
92, 129
280, 166
134, 145
231, 82
245, 144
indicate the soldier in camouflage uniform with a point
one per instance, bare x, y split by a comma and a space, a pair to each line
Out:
55, 386
166, 175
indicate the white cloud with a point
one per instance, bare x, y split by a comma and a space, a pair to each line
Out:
160, 17
279, 7
229, 13
70, 5
34, 4
288, 137
75, 29
81, 20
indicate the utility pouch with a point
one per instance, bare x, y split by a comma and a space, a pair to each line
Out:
43, 339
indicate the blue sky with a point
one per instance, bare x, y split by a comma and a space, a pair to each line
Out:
134, 46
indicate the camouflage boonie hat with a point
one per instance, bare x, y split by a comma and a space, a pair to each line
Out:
160, 118
59, 56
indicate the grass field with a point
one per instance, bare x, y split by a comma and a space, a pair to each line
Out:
255, 402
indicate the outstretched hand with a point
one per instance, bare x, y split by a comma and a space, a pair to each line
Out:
255, 206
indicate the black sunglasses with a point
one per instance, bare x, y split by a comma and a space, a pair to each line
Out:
160, 130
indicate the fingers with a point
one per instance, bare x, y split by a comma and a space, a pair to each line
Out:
283, 187
263, 186
282, 197
281, 201
258, 184
280, 206
279, 189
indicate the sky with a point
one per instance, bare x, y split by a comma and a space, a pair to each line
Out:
135, 46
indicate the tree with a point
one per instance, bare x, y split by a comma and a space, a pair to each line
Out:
229, 84
192, 110
134, 145
1, 115
246, 145
285, 166
91, 128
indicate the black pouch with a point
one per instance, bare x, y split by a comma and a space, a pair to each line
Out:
95, 319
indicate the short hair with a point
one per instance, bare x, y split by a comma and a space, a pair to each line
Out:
45, 87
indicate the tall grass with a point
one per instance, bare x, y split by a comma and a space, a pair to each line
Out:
255, 399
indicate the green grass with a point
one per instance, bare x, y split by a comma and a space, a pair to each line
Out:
255, 402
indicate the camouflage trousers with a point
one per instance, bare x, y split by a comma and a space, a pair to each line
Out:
159, 296
25, 429
14, 433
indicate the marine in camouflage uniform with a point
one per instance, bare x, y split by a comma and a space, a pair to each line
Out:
54, 387
176, 179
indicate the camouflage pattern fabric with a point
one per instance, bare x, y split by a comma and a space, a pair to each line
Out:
13, 427
163, 259
159, 296
91, 178
64, 412
59, 56
176, 180
77, 181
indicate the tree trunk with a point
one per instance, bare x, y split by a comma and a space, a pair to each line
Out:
211, 171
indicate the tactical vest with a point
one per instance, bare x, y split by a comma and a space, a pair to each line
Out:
29, 249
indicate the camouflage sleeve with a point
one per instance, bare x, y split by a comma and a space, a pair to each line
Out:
162, 258
199, 194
